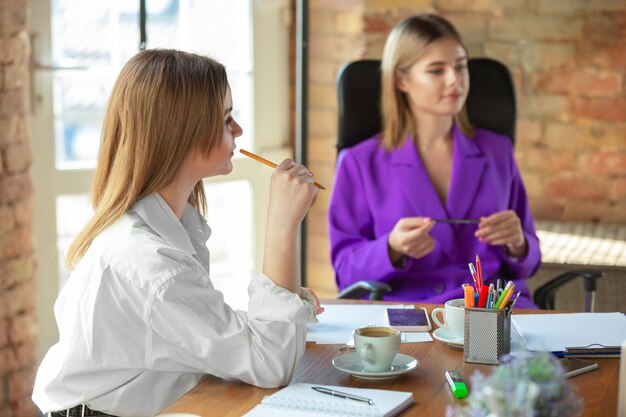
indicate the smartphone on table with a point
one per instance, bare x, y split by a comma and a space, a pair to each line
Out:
409, 319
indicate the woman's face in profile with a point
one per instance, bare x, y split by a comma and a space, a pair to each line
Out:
438, 82
218, 162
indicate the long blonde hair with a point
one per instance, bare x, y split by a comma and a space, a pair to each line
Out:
164, 105
404, 45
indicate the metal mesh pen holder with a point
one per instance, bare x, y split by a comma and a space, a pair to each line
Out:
487, 335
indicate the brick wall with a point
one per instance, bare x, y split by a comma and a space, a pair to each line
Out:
568, 59
17, 264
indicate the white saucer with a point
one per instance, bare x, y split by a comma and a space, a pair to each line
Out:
445, 336
351, 363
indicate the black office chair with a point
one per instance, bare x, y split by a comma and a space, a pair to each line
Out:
490, 105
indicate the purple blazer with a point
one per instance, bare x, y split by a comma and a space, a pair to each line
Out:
374, 188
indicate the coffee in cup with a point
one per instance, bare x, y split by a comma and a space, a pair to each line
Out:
377, 347
453, 317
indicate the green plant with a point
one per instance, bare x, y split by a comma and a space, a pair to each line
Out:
524, 385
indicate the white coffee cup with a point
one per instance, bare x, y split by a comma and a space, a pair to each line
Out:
377, 347
453, 317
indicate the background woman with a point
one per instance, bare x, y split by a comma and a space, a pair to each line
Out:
429, 163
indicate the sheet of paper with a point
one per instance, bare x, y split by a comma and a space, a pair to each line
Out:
555, 332
338, 322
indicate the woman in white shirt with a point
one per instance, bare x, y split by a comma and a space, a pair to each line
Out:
139, 320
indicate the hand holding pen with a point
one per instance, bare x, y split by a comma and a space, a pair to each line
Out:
503, 229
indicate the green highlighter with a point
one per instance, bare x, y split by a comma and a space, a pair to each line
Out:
457, 385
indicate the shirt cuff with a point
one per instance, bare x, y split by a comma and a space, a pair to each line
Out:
271, 302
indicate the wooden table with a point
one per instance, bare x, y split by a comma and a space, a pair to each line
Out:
216, 397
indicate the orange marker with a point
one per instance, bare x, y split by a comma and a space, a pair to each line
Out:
468, 293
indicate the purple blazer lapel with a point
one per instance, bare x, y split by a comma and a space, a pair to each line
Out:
468, 169
415, 183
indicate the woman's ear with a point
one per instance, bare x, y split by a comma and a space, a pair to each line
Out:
400, 81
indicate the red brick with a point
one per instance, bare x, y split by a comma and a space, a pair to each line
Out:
609, 109
606, 28
576, 187
4, 338
321, 22
546, 107
15, 76
605, 164
375, 45
553, 56
510, 54
17, 158
323, 97
585, 211
7, 220
547, 209
8, 130
604, 56
19, 386
15, 187
13, 18
618, 189
472, 27
322, 122
488, 7
14, 102
16, 243
19, 298
7, 361
22, 329
14, 272
585, 135
336, 47
23, 211
26, 408
378, 23
26, 355
535, 28
336, 5
546, 161
577, 7
406, 6
349, 23
324, 72
528, 131
585, 82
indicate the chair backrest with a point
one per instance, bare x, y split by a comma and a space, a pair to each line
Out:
490, 103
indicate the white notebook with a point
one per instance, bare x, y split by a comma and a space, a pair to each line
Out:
300, 400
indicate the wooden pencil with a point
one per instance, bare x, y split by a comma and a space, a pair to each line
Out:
270, 164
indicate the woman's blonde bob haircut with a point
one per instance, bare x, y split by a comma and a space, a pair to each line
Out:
404, 46
164, 105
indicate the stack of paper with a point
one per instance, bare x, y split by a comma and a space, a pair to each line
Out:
338, 321
556, 332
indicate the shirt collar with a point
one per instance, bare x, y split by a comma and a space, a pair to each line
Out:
179, 233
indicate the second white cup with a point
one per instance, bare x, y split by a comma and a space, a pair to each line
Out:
453, 317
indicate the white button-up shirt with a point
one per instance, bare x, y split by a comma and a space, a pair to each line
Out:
140, 322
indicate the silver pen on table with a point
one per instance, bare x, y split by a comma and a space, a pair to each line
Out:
340, 394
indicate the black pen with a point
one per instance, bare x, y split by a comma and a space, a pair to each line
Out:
339, 394
457, 221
